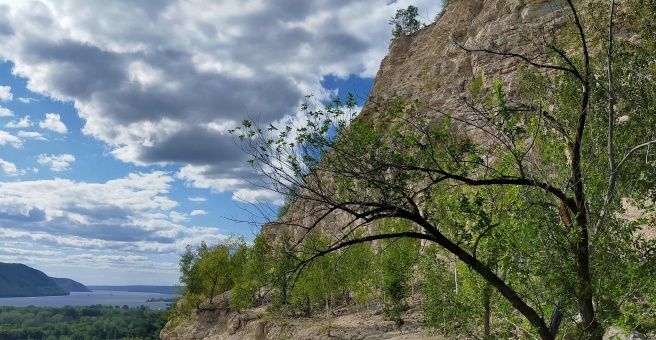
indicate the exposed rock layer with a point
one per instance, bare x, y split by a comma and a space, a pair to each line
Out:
430, 66
433, 67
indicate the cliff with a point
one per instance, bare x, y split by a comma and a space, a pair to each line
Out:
434, 67
430, 66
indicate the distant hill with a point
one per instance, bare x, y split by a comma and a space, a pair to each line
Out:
138, 289
70, 285
19, 280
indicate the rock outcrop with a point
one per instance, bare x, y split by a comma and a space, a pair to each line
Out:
217, 322
434, 67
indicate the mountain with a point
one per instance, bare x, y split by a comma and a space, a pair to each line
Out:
70, 285
19, 280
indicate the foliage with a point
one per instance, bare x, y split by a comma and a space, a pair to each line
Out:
255, 275
88, 322
529, 194
396, 261
284, 264
211, 270
355, 267
20, 280
405, 22
317, 285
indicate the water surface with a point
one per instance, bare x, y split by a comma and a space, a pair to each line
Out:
96, 297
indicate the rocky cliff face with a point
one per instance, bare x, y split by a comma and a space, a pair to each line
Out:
434, 67
430, 66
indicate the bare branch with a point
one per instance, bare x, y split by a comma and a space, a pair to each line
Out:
634, 149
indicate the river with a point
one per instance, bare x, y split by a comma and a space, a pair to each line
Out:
96, 297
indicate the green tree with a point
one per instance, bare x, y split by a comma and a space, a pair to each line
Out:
528, 194
256, 274
284, 266
355, 268
397, 257
405, 22
316, 285
211, 270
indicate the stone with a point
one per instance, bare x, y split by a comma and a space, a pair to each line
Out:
233, 325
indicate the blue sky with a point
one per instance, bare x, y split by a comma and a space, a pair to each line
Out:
114, 151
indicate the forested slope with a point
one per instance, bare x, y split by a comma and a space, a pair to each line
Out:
20, 280
491, 169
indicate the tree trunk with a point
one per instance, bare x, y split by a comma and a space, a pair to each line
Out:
487, 292
506, 291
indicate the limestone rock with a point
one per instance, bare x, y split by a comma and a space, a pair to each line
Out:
432, 67
615, 333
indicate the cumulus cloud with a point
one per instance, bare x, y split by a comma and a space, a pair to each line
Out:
5, 112
10, 169
198, 213
257, 196
26, 100
5, 93
129, 214
177, 217
6, 137
197, 199
53, 122
21, 123
161, 81
21, 251
57, 163
31, 135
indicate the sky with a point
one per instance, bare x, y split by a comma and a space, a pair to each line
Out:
114, 118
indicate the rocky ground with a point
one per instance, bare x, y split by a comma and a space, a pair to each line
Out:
217, 322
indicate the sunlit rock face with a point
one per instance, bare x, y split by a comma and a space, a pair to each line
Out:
433, 67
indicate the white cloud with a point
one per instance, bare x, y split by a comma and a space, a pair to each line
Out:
5, 93
6, 137
118, 213
57, 163
198, 213
22, 123
197, 199
32, 135
10, 168
53, 122
152, 79
197, 177
20, 251
257, 196
26, 100
177, 217
5, 112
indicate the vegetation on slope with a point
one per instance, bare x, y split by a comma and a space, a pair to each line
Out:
70, 285
18, 280
522, 198
90, 322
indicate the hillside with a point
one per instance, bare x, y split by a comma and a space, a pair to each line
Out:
70, 285
19, 280
430, 67
427, 66
481, 172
